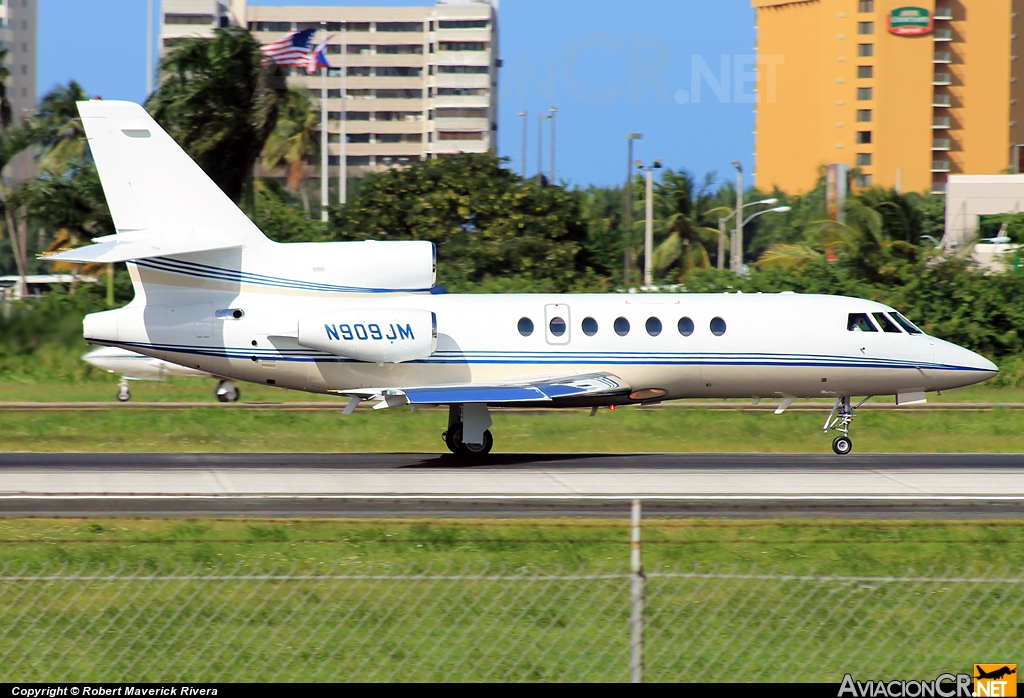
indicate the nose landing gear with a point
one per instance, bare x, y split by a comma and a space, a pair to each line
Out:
123, 394
227, 391
839, 419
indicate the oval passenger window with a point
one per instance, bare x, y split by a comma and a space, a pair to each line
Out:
653, 326
621, 326
685, 326
589, 326
526, 327
557, 326
718, 327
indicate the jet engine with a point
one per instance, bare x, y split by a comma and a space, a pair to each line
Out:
374, 335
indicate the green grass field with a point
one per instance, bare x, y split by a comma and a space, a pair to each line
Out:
444, 621
664, 429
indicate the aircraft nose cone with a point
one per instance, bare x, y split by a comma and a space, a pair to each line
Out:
968, 366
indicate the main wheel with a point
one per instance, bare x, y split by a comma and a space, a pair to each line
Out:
459, 447
842, 445
228, 392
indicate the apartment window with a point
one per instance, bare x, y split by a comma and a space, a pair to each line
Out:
863, 137
307, 25
866, 5
399, 94
358, 160
865, 28
333, 48
460, 135
350, 26
865, 50
399, 137
471, 69
864, 159
358, 49
865, 115
399, 26
463, 23
181, 18
460, 91
462, 113
399, 116
865, 93
360, 94
271, 26
398, 72
359, 71
333, 160
397, 159
334, 138
865, 71
865, 181
399, 48
462, 46
349, 116
358, 138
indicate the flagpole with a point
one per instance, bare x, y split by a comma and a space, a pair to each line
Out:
343, 160
324, 201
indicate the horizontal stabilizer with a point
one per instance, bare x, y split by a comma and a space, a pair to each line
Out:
123, 248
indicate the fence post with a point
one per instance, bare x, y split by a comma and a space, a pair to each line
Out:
637, 587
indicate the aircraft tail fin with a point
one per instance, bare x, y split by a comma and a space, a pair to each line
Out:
161, 201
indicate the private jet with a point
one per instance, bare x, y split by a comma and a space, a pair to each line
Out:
364, 320
133, 366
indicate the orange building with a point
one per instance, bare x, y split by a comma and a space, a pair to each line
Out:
907, 91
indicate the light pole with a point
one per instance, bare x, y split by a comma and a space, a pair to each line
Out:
149, 50
554, 111
721, 229
737, 241
324, 161
740, 224
649, 223
525, 123
626, 261
540, 147
343, 157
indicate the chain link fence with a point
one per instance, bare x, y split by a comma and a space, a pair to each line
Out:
490, 624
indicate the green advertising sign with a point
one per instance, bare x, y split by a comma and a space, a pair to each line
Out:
910, 21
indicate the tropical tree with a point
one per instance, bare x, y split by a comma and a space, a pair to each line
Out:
5, 104
217, 101
295, 141
58, 130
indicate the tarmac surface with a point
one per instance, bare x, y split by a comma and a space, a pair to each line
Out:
512, 485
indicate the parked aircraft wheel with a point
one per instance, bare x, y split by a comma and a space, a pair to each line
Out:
472, 450
842, 445
227, 391
124, 395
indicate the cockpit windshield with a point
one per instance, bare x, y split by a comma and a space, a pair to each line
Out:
860, 322
905, 323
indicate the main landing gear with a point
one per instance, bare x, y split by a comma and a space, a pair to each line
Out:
468, 433
123, 394
839, 419
227, 391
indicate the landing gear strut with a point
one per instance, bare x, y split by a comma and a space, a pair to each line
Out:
477, 417
839, 419
227, 391
123, 394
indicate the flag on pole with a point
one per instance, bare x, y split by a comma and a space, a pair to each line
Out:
291, 49
318, 57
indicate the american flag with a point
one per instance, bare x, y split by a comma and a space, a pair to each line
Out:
291, 49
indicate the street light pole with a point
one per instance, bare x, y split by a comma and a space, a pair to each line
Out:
649, 224
343, 157
540, 147
737, 244
324, 172
554, 111
525, 124
626, 261
721, 243
149, 50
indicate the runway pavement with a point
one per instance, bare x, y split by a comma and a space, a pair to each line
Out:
531, 485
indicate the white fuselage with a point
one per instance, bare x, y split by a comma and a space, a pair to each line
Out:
773, 345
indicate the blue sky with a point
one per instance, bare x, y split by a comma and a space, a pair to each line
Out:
678, 71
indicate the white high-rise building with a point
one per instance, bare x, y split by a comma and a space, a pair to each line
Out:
18, 36
419, 82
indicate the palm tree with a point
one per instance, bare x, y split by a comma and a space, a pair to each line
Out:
216, 100
5, 104
58, 128
295, 140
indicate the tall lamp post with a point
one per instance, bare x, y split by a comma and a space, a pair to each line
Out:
626, 261
524, 115
737, 242
343, 135
649, 222
721, 229
554, 111
540, 147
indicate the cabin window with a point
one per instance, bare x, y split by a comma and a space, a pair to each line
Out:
557, 326
886, 324
905, 323
685, 326
718, 327
589, 326
859, 322
526, 326
621, 326
653, 326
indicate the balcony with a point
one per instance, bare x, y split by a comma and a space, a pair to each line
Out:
942, 100
943, 13
942, 79
940, 166
938, 187
943, 34
942, 57
941, 122
942, 144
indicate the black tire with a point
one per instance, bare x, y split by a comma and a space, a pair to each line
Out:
842, 445
227, 396
223, 397
472, 451
447, 436
124, 396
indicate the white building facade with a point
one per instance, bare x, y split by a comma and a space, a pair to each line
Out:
18, 29
408, 83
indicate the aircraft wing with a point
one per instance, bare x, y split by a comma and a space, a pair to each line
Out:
540, 389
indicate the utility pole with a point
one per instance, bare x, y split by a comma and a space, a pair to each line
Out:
737, 244
526, 122
554, 111
324, 172
649, 223
721, 243
540, 147
149, 50
628, 213
343, 137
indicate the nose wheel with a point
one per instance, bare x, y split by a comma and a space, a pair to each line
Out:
123, 394
839, 419
842, 445
227, 391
